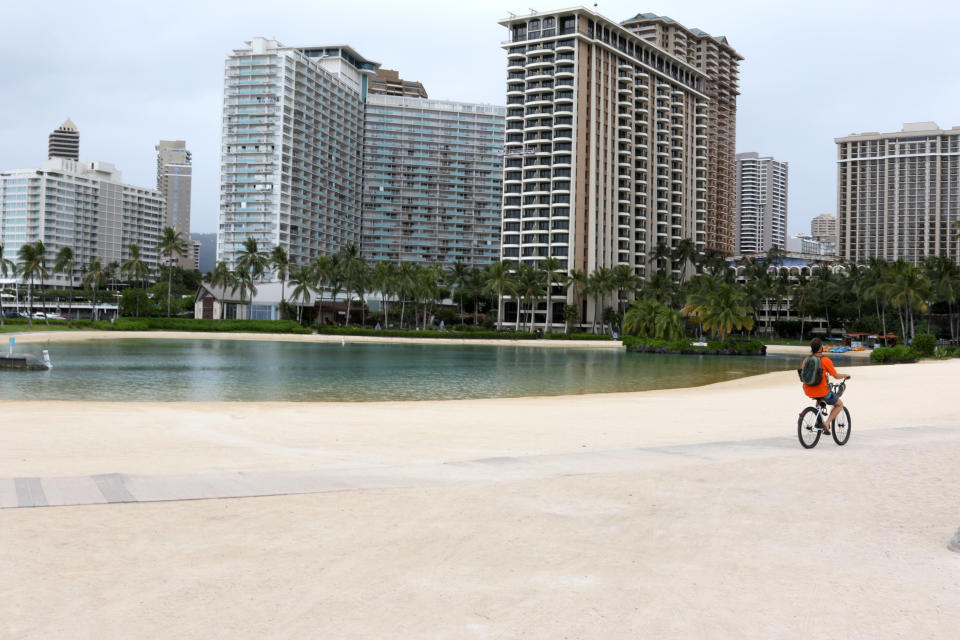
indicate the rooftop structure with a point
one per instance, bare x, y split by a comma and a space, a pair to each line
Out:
64, 142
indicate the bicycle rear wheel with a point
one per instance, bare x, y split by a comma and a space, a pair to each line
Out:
841, 427
807, 430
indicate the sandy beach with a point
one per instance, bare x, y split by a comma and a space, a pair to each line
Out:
683, 513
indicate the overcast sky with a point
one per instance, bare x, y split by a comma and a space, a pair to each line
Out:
130, 73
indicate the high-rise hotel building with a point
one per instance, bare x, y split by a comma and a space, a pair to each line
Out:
174, 181
432, 175
322, 149
824, 228
606, 150
292, 149
761, 204
713, 56
81, 205
897, 194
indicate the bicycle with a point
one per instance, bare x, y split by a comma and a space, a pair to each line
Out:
810, 424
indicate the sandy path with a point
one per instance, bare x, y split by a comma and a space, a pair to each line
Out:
835, 542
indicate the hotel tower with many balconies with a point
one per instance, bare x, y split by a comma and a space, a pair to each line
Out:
606, 152
898, 194
714, 56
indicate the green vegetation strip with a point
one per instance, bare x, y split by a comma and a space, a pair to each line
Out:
457, 334
729, 346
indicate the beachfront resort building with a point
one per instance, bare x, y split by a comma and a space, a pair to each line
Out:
713, 56
761, 203
292, 149
322, 149
81, 205
607, 149
898, 194
431, 181
174, 181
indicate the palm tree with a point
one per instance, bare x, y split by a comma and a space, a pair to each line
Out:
384, 278
353, 265
253, 262
281, 266
823, 283
601, 283
570, 312
500, 280
530, 284
243, 281
626, 282
7, 268
579, 281
221, 277
456, 277
135, 269
909, 293
550, 266
404, 286
30, 267
684, 254
171, 242
94, 278
42, 252
300, 278
722, 309
944, 277
66, 264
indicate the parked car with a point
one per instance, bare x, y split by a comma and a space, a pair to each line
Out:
14, 314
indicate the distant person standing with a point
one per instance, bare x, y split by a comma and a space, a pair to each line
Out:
815, 376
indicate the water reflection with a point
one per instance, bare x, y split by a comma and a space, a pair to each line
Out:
223, 370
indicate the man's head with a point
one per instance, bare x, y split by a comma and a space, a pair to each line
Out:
816, 345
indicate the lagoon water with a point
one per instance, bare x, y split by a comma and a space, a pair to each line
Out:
227, 370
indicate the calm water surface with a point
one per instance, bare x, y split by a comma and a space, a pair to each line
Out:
226, 370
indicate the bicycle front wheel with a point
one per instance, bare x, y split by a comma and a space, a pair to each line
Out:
807, 430
841, 427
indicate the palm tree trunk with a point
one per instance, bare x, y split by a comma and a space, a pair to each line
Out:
548, 325
30, 302
43, 300
349, 297
499, 308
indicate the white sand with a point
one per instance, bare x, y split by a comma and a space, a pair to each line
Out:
835, 542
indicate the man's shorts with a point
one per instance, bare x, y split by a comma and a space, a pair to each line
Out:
831, 398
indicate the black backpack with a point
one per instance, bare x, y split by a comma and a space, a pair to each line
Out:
811, 371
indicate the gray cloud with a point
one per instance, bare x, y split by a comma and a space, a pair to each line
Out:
130, 74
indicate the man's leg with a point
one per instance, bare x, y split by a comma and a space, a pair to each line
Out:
837, 408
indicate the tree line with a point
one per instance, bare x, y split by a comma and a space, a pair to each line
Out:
34, 266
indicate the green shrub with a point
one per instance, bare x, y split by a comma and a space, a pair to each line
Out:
924, 344
191, 324
880, 354
903, 353
577, 336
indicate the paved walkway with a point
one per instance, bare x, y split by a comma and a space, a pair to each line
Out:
114, 488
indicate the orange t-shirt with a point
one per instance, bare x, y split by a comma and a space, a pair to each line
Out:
820, 390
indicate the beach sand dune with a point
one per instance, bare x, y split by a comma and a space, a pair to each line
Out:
731, 529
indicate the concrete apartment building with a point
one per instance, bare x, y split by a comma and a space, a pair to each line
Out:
606, 152
761, 203
81, 205
897, 194
432, 180
824, 228
713, 56
64, 142
174, 181
292, 149
319, 151
389, 83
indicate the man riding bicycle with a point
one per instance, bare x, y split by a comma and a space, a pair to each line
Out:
822, 391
